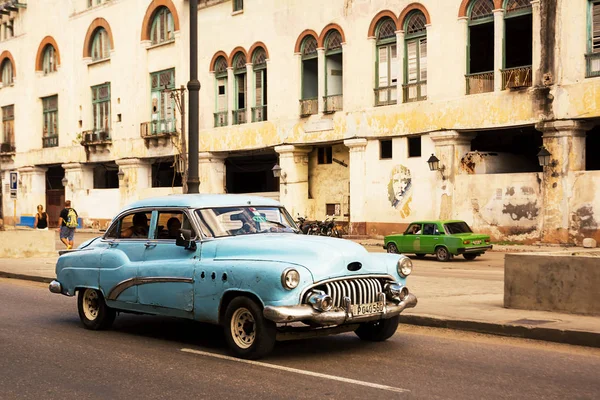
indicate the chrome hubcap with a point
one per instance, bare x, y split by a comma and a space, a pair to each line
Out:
243, 328
90, 304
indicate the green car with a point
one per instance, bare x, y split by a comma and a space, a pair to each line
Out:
442, 238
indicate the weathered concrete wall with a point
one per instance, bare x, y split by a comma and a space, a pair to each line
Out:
553, 282
329, 183
27, 243
584, 206
507, 206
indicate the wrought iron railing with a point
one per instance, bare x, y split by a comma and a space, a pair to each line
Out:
95, 136
239, 116
309, 107
385, 96
481, 82
7, 148
220, 118
333, 103
516, 77
592, 65
259, 113
414, 91
158, 127
50, 141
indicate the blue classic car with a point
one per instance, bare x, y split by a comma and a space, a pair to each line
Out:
236, 261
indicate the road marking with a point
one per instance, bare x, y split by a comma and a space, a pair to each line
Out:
299, 371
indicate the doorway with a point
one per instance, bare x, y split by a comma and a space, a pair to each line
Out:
55, 194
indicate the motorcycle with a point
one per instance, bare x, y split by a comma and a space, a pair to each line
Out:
307, 227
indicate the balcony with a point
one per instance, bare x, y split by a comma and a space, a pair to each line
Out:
516, 78
7, 6
158, 132
333, 103
220, 119
592, 65
385, 96
96, 140
239, 116
50, 141
7, 152
309, 107
259, 113
482, 82
414, 92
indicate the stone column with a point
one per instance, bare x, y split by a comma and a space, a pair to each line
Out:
400, 66
461, 55
450, 147
536, 47
250, 93
80, 178
293, 183
321, 77
358, 178
31, 190
565, 140
137, 178
212, 172
498, 48
231, 96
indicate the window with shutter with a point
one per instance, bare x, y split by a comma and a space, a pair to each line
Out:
423, 59
383, 66
596, 28
415, 63
411, 53
258, 77
222, 95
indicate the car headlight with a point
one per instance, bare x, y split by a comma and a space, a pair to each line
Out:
404, 267
290, 278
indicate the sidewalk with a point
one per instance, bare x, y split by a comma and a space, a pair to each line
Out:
460, 303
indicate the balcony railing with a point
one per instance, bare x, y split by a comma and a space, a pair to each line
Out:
592, 65
50, 141
162, 127
220, 119
481, 82
414, 91
95, 137
385, 96
239, 116
309, 107
333, 103
7, 148
513, 78
259, 113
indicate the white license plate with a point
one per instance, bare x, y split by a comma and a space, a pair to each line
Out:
366, 309
476, 241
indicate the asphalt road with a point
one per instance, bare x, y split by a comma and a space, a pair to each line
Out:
45, 353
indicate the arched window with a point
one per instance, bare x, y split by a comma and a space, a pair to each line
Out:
334, 72
7, 72
415, 62
518, 49
100, 45
220, 68
309, 103
593, 43
49, 61
162, 26
387, 63
480, 66
239, 74
259, 66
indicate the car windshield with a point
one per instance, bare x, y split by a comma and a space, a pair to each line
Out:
457, 227
244, 220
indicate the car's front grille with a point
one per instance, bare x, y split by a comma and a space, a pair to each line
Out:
359, 290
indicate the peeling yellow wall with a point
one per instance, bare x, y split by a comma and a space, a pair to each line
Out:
329, 183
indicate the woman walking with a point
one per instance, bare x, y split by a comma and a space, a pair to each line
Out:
41, 219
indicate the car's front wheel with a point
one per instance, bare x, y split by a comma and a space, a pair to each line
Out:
392, 248
442, 254
247, 332
470, 257
93, 311
378, 331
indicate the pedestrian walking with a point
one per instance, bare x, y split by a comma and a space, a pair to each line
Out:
41, 219
67, 223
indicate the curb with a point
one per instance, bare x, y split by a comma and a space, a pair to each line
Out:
33, 278
579, 338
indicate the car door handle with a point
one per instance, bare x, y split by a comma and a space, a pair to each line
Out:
150, 244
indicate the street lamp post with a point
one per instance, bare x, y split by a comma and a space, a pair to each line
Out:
193, 181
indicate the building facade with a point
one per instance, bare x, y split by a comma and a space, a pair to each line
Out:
350, 98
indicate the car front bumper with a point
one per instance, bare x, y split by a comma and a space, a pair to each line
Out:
306, 313
479, 249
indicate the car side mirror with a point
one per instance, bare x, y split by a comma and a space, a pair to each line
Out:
185, 240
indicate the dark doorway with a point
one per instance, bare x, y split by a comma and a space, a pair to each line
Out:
592, 148
164, 173
105, 176
251, 174
518, 42
481, 48
55, 194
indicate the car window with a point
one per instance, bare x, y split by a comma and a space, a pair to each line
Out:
243, 220
169, 223
413, 229
131, 226
457, 227
429, 229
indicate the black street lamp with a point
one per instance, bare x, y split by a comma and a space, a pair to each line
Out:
434, 165
193, 182
544, 157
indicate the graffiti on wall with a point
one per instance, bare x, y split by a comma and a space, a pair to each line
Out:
400, 189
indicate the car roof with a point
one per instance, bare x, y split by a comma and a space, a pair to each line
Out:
203, 201
442, 221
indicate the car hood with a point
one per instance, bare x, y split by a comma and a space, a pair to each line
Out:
324, 257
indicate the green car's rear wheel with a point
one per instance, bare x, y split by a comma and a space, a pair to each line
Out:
442, 254
392, 248
470, 257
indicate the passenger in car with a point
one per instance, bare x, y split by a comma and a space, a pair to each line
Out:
173, 226
139, 228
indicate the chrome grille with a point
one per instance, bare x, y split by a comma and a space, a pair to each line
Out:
359, 290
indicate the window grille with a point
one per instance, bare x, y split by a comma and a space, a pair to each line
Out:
513, 6
333, 41
416, 23
309, 47
386, 29
482, 9
239, 61
259, 58
221, 66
